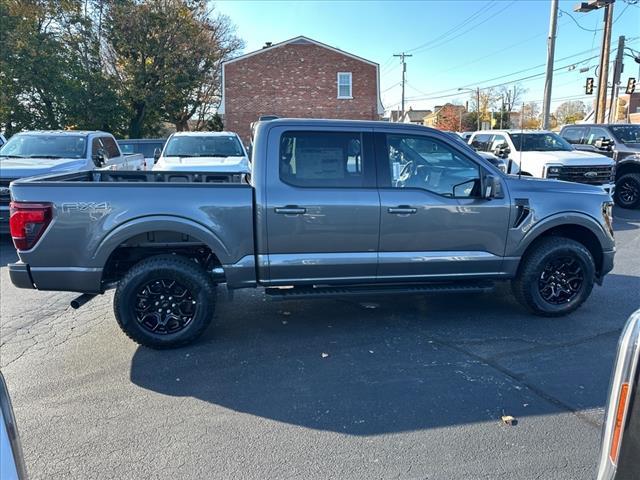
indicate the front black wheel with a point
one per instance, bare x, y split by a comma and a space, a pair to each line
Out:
555, 278
164, 301
627, 193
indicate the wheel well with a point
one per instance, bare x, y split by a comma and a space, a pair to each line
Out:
149, 244
578, 233
627, 168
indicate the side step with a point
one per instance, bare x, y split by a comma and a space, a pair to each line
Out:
289, 293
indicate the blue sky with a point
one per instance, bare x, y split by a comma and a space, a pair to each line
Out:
498, 38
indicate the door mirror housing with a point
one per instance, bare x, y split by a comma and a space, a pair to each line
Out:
502, 151
99, 157
156, 155
604, 144
492, 187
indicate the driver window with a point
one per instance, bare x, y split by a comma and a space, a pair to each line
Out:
422, 162
597, 133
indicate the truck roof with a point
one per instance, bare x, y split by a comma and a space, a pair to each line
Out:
78, 133
319, 122
204, 134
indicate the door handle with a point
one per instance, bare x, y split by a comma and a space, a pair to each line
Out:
402, 210
290, 210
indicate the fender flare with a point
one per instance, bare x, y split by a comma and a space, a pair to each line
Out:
169, 223
559, 220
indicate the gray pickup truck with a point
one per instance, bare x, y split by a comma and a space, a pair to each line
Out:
330, 208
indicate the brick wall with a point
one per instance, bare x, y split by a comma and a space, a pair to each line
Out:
297, 81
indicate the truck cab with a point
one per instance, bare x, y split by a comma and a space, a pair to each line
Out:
620, 141
544, 154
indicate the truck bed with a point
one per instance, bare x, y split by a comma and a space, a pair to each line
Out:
120, 176
96, 212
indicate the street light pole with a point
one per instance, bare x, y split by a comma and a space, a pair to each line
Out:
548, 82
603, 77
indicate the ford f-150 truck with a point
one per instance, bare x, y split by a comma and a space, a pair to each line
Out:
331, 207
39, 152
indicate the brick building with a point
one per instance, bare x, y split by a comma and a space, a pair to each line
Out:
298, 78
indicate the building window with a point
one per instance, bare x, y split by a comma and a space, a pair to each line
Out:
344, 85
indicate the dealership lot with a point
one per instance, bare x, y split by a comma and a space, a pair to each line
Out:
387, 387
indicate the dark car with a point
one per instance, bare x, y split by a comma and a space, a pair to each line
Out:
146, 146
620, 451
621, 141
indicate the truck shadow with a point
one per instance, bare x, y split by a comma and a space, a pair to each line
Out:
625, 219
384, 365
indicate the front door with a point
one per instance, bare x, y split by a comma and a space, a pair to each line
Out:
323, 208
433, 221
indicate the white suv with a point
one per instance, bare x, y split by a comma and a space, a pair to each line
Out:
544, 154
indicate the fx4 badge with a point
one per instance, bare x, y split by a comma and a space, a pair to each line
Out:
96, 210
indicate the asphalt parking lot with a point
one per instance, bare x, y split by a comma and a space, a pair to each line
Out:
388, 387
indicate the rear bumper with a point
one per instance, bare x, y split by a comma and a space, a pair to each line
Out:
20, 275
71, 279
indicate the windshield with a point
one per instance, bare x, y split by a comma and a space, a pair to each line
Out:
209, 146
626, 133
44, 146
540, 142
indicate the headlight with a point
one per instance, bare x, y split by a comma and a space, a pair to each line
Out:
607, 215
553, 171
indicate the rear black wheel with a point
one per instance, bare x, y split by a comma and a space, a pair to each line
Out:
165, 301
627, 193
555, 278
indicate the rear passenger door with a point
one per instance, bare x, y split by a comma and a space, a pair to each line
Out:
322, 206
113, 158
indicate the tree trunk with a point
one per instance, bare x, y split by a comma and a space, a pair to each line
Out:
136, 124
181, 125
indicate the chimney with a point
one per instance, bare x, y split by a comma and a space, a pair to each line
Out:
267, 44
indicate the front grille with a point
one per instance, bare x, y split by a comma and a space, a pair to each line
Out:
593, 175
5, 196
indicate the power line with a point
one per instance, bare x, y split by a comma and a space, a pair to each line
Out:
491, 17
486, 7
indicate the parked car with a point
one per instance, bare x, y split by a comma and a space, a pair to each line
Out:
496, 161
11, 456
544, 154
203, 152
466, 136
332, 207
146, 146
40, 152
620, 450
621, 141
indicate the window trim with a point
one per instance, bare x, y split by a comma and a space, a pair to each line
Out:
384, 172
340, 97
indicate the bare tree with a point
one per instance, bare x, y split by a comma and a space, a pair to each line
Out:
512, 96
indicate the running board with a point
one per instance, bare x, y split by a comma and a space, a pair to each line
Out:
290, 293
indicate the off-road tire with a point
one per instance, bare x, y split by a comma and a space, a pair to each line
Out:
525, 286
189, 274
634, 180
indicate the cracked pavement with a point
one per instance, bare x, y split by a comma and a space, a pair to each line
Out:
412, 387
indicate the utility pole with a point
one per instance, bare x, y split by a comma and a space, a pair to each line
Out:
404, 71
603, 77
615, 84
478, 100
551, 48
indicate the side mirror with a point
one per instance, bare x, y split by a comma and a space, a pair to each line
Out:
502, 151
603, 144
492, 187
156, 155
99, 157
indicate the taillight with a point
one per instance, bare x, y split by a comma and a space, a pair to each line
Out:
27, 223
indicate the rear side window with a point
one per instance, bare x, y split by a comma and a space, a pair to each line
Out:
127, 148
573, 135
322, 159
110, 146
481, 142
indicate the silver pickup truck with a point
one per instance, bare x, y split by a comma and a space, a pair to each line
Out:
330, 208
